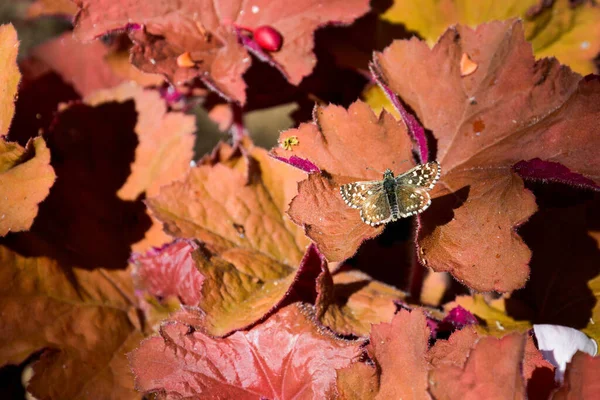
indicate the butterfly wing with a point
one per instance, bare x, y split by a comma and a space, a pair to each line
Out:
412, 200
370, 199
424, 176
413, 186
356, 193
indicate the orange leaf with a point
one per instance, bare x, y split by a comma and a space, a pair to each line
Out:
492, 370
25, 178
251, 252
348, 145
551, 115
399, 350
9, 75
83, 320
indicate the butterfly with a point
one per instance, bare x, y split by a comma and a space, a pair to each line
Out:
393, 198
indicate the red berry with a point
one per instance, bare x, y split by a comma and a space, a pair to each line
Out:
268, 38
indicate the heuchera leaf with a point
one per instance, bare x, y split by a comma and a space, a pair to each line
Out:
492, 370
25, 173
165, 140
208, 32
560, 28
355, 301
83, 320
251, 251
496, 320
581, 379
336, 143
169, 271
40, 8
9, 75
287, 356
399, 350
25, 178
548, 112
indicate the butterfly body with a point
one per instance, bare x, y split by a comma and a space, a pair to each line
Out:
393, 198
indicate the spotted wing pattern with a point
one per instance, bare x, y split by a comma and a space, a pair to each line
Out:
412, 189
370, 198
423, 175
356, 193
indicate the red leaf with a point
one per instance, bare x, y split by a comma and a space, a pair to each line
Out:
208, 31
251, 253
287, 356
336, 143
170, 271
547, 112
581, 378
399, 350
492, 370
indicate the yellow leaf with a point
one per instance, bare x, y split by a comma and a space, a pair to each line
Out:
571, 34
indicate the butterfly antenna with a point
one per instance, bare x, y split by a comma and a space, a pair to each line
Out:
373, 169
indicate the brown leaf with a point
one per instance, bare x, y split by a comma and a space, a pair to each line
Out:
9, 75
83, 320
357, 302
581, 379
348, 145
287, 356
210, 33
25, 178
548, 113
454, 351
251, 251
41, 8
399, 350
492, 370
165, 140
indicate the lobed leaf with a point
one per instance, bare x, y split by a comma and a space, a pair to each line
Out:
209, 34
560, 29
336, 143
511, 108
287, 356
25, 178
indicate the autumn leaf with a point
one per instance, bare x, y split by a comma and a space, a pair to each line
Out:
83, 321
9, 75
88, 67
581, 379
251, 252
549, 114
165, 140
495, 366
399, 350
356, 301
25, 172
558, 29
335, 143
169, 271
25, 178
210, 34
287, 356
39, 8
494, 315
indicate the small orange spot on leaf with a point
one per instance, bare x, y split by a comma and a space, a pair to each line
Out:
185, 60
467, 66
478, 125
